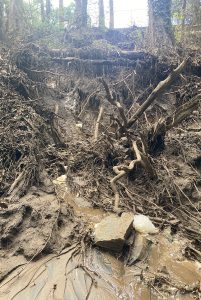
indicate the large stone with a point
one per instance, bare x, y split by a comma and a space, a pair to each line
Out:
112, 231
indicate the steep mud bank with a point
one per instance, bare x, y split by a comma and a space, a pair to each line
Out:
55, 178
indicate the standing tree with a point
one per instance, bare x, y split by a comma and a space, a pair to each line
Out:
196, 12
183, 19
78, 12
84, 13
111, 3
160, 25
61, 12
1, 19
16, 14
48, 9
81, 13
42, 10
101, 14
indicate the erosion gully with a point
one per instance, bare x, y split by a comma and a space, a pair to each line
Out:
103, 275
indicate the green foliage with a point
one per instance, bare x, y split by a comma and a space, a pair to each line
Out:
192, 12
177, 13
69, 13
34, 21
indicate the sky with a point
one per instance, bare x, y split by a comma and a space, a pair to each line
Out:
127, 12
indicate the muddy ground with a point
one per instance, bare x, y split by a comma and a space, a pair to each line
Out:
56, 169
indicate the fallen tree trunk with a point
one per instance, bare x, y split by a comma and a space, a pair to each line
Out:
101, 62
97, 54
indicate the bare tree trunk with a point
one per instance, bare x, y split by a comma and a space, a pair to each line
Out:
15, 20
196, 12
183, 20
78, 12
111, 14
84, 13
48, 9
61, 12
101, 14
160, 25
1, 20
81, 13
42, 10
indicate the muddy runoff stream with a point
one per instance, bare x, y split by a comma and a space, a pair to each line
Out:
98, 274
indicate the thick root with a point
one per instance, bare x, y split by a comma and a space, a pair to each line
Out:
141, 158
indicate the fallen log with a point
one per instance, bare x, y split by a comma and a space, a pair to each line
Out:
93, 53
100, 62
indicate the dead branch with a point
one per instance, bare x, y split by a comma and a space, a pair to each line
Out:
87, 102
98, 123
182, 112
169, 122
112, 98
16, 182
158, 91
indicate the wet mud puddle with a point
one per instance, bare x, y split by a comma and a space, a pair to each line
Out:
97, 274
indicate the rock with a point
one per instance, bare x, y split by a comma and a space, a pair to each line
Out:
143, 224
196, 113
79, 125
112, 231
60, 180
141, 248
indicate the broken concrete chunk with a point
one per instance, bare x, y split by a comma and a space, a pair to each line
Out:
143, 224
112, 231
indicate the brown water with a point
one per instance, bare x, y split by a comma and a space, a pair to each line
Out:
97, 274
60, 278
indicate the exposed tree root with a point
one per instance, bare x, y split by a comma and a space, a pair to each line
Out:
141, 158
15, 187
98, 123
55, 129
87, 102
157, 91
112, 98
157, 133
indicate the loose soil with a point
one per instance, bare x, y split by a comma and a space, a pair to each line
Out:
55, 175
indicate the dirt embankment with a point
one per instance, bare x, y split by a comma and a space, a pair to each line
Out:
58, 117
